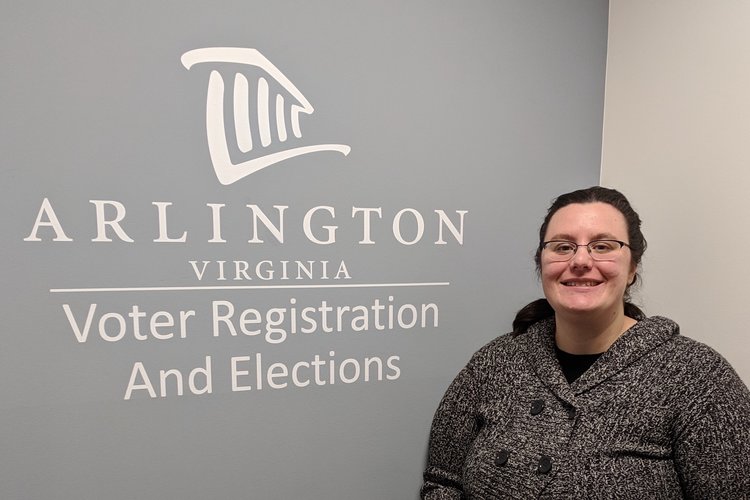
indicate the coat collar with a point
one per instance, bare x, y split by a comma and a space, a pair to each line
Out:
538, 344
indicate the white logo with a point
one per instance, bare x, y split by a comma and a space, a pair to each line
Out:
266, 100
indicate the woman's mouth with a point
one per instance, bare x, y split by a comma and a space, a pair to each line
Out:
581, 283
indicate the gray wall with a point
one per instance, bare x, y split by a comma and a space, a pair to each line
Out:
480, 110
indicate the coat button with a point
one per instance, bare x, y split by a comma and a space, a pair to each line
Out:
545, 464
502, 458
571, 412
537, 406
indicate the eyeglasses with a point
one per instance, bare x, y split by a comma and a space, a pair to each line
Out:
561, 250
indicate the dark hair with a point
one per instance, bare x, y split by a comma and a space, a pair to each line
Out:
540, 309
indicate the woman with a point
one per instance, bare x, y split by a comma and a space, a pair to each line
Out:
589, 398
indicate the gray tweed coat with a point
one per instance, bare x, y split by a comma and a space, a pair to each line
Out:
658, 416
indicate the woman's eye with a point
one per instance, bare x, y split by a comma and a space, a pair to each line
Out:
602, 246
564, 247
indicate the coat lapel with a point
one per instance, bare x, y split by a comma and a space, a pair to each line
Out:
639, 340
538, 344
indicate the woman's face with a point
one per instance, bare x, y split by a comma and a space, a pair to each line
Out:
583, 285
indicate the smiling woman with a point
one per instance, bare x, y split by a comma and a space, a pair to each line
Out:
587, 286
588, 397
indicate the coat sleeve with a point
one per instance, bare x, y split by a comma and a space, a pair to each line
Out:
712, 451
454, 427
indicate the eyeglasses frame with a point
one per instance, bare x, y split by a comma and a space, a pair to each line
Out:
588, 248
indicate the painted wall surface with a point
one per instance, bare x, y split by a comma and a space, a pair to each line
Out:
248, 244
677, 120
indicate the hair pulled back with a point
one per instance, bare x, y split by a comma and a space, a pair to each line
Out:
540, 308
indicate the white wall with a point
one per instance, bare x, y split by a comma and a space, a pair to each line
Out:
677, 141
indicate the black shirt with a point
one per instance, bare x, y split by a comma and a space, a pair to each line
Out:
574, 365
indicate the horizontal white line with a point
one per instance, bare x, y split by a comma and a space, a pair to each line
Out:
242, 287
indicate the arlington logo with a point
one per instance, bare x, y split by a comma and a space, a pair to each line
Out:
262, 114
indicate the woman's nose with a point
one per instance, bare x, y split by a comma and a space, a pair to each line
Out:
581, 257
